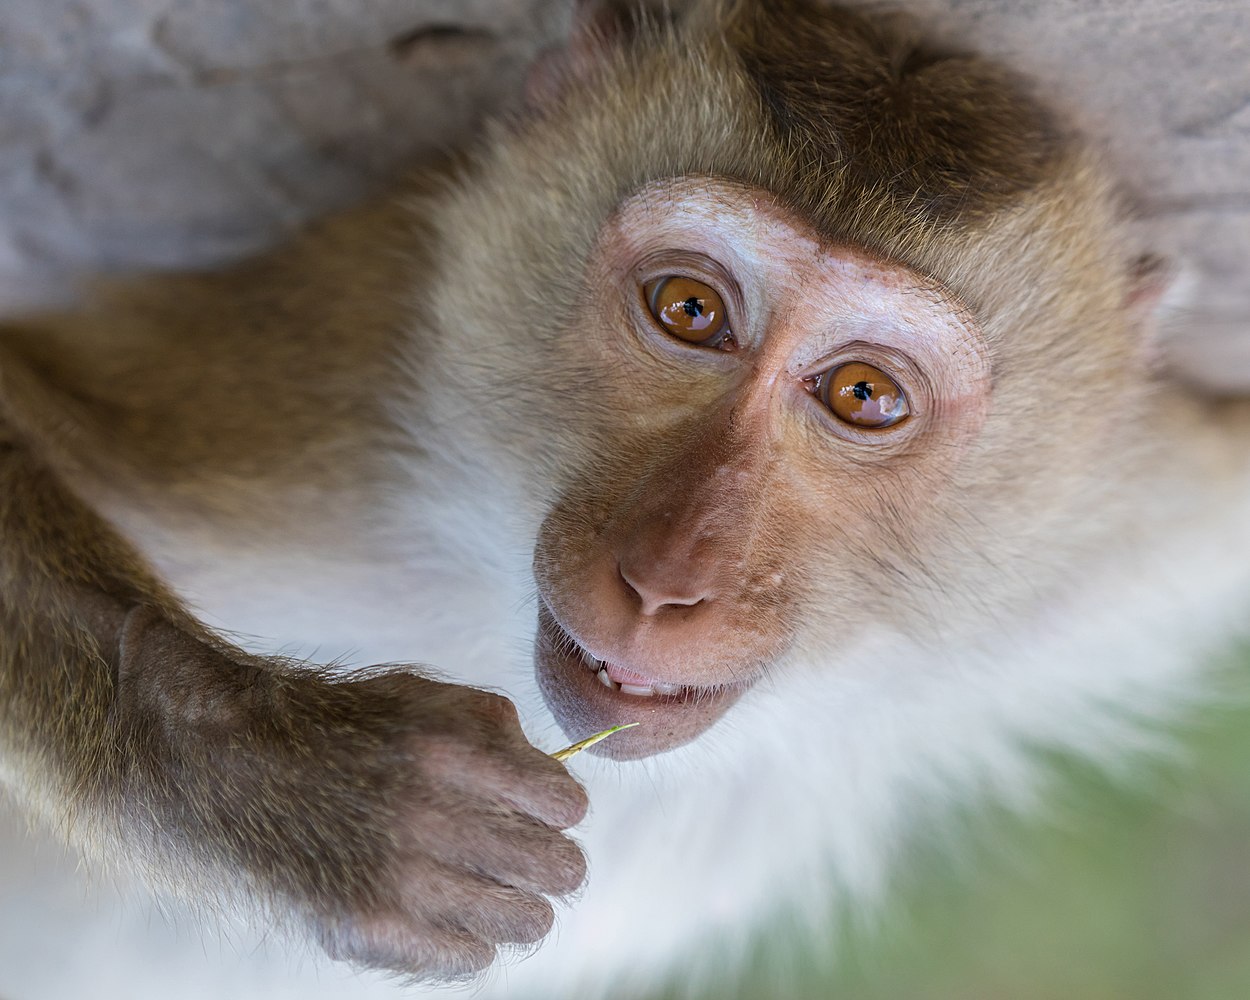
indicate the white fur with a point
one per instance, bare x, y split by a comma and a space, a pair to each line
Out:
798, 798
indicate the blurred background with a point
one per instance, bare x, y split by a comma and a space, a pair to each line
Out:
158, 133
1126, 886
140, 134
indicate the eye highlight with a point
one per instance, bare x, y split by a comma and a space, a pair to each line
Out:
862, 396
689, 310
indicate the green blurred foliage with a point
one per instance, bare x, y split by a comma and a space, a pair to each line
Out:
1127, 887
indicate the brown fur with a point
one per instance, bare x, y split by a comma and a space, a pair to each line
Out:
261, 398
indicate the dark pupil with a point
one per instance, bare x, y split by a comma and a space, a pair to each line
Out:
693, 306
862, 390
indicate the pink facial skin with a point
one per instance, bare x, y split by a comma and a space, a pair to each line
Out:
680, 565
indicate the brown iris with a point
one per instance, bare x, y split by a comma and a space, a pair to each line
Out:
689, 310
863, 396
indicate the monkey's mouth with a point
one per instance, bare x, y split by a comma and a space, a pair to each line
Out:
588, 695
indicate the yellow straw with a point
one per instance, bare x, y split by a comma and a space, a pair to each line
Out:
590, 741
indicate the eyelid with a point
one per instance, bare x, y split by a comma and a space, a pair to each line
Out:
902, 369
659, 304
824, 391
676, 262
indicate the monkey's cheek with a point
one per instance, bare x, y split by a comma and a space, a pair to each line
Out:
582, 705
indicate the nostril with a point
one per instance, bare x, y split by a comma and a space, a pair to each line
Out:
655, 590
624, 577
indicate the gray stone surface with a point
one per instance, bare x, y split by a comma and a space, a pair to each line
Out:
1164, 87
161, 133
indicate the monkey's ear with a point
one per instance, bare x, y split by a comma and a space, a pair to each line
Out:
597, 28
1186, 343
1151, 278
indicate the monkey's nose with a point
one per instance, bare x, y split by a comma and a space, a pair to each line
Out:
661, 586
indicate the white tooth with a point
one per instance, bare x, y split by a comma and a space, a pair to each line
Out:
640, 692
605, 680
662, 688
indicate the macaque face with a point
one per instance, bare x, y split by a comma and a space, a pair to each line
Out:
775, 416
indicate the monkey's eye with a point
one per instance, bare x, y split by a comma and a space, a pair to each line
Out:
690, 310
862, 396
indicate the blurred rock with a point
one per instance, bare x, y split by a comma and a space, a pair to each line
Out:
164, 133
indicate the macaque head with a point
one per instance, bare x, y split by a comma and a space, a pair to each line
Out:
798, 330
797, 391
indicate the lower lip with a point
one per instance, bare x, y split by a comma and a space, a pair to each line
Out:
583, 705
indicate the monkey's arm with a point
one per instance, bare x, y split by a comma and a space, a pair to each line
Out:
228, 392
402, 822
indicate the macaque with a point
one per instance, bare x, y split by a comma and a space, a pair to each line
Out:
774, 380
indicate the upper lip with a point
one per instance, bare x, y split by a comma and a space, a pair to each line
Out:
584, 648
636, 680
581, 705
595, 661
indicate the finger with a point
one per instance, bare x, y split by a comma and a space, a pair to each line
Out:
407, 944
533, 783
508, 847
468, 903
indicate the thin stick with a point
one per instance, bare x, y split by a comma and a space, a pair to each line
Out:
590, 741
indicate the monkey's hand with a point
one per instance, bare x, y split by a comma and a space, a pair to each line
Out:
407, 823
